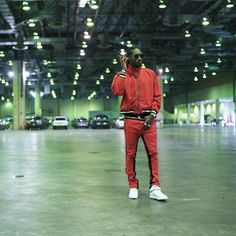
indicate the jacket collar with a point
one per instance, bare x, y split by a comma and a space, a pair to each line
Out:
132, 69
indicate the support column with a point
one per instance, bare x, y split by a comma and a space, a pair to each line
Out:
217, 112
188, 113
234, 93
201, 113
18, 91
37, 100
187, 107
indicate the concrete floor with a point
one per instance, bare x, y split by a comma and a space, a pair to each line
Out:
72, 183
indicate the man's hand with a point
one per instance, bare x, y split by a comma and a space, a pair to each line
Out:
148, 121
123, 63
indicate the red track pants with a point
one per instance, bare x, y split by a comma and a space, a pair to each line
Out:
134, 129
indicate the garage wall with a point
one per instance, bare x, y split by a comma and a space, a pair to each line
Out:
52, 107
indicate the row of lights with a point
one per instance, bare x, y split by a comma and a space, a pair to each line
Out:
229, 4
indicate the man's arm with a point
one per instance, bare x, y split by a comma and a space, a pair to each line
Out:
118, 83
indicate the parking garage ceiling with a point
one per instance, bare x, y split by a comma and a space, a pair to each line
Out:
189, 39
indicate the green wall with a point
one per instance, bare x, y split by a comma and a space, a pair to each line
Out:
72, 109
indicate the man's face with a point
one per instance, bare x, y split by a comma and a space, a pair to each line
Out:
136, 59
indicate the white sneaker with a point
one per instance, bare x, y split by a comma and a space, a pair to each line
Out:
133, 193
156, 193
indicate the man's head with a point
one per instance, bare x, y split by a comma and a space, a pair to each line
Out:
135, 57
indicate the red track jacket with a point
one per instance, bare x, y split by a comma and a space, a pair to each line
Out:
140, 90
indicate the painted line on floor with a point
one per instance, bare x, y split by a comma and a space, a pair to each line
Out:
191, 199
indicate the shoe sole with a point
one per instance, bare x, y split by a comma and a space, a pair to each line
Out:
160, 199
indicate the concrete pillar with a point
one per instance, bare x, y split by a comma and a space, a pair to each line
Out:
217, 112
234, 92
188, 113
201, 113
18, 91
37, 100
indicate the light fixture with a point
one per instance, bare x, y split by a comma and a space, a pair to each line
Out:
195, 69
51, 82
31, 23
82, 52
172, 79
2, 54
36, 35
97, 82
219, 60
187, 34
195, 78
202, 52
204, 76
94, 5
165, 81
79, 67
101, 77
72, 98
213, 73
205, 21
89, 22
122, 51
11, 74
229, 4
82, 3
162, 4
206, 65
167, 70
114, 61
86, 35
53, 94
84, 44
25, 6
74, 92
39, 45
49, 75
129, 44
218, 43
75, 82
107, 70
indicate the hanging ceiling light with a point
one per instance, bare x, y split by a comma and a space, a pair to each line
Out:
25, 6
218, 43
229, 4
187, 34
162, 4
202, 51
205, 21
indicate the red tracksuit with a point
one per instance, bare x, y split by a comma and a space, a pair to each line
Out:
141, 93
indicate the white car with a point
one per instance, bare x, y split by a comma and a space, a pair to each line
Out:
60, 122
119, 123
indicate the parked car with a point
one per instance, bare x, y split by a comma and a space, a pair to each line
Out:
60, 122
80, 123
119, 123
3, 124
100, 121
36, 122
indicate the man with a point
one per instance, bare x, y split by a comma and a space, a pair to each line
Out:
140, 104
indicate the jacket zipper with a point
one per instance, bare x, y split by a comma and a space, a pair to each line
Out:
137, 89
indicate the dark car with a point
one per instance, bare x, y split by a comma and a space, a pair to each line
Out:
80, 123
100, 121
37, 122
3, 124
